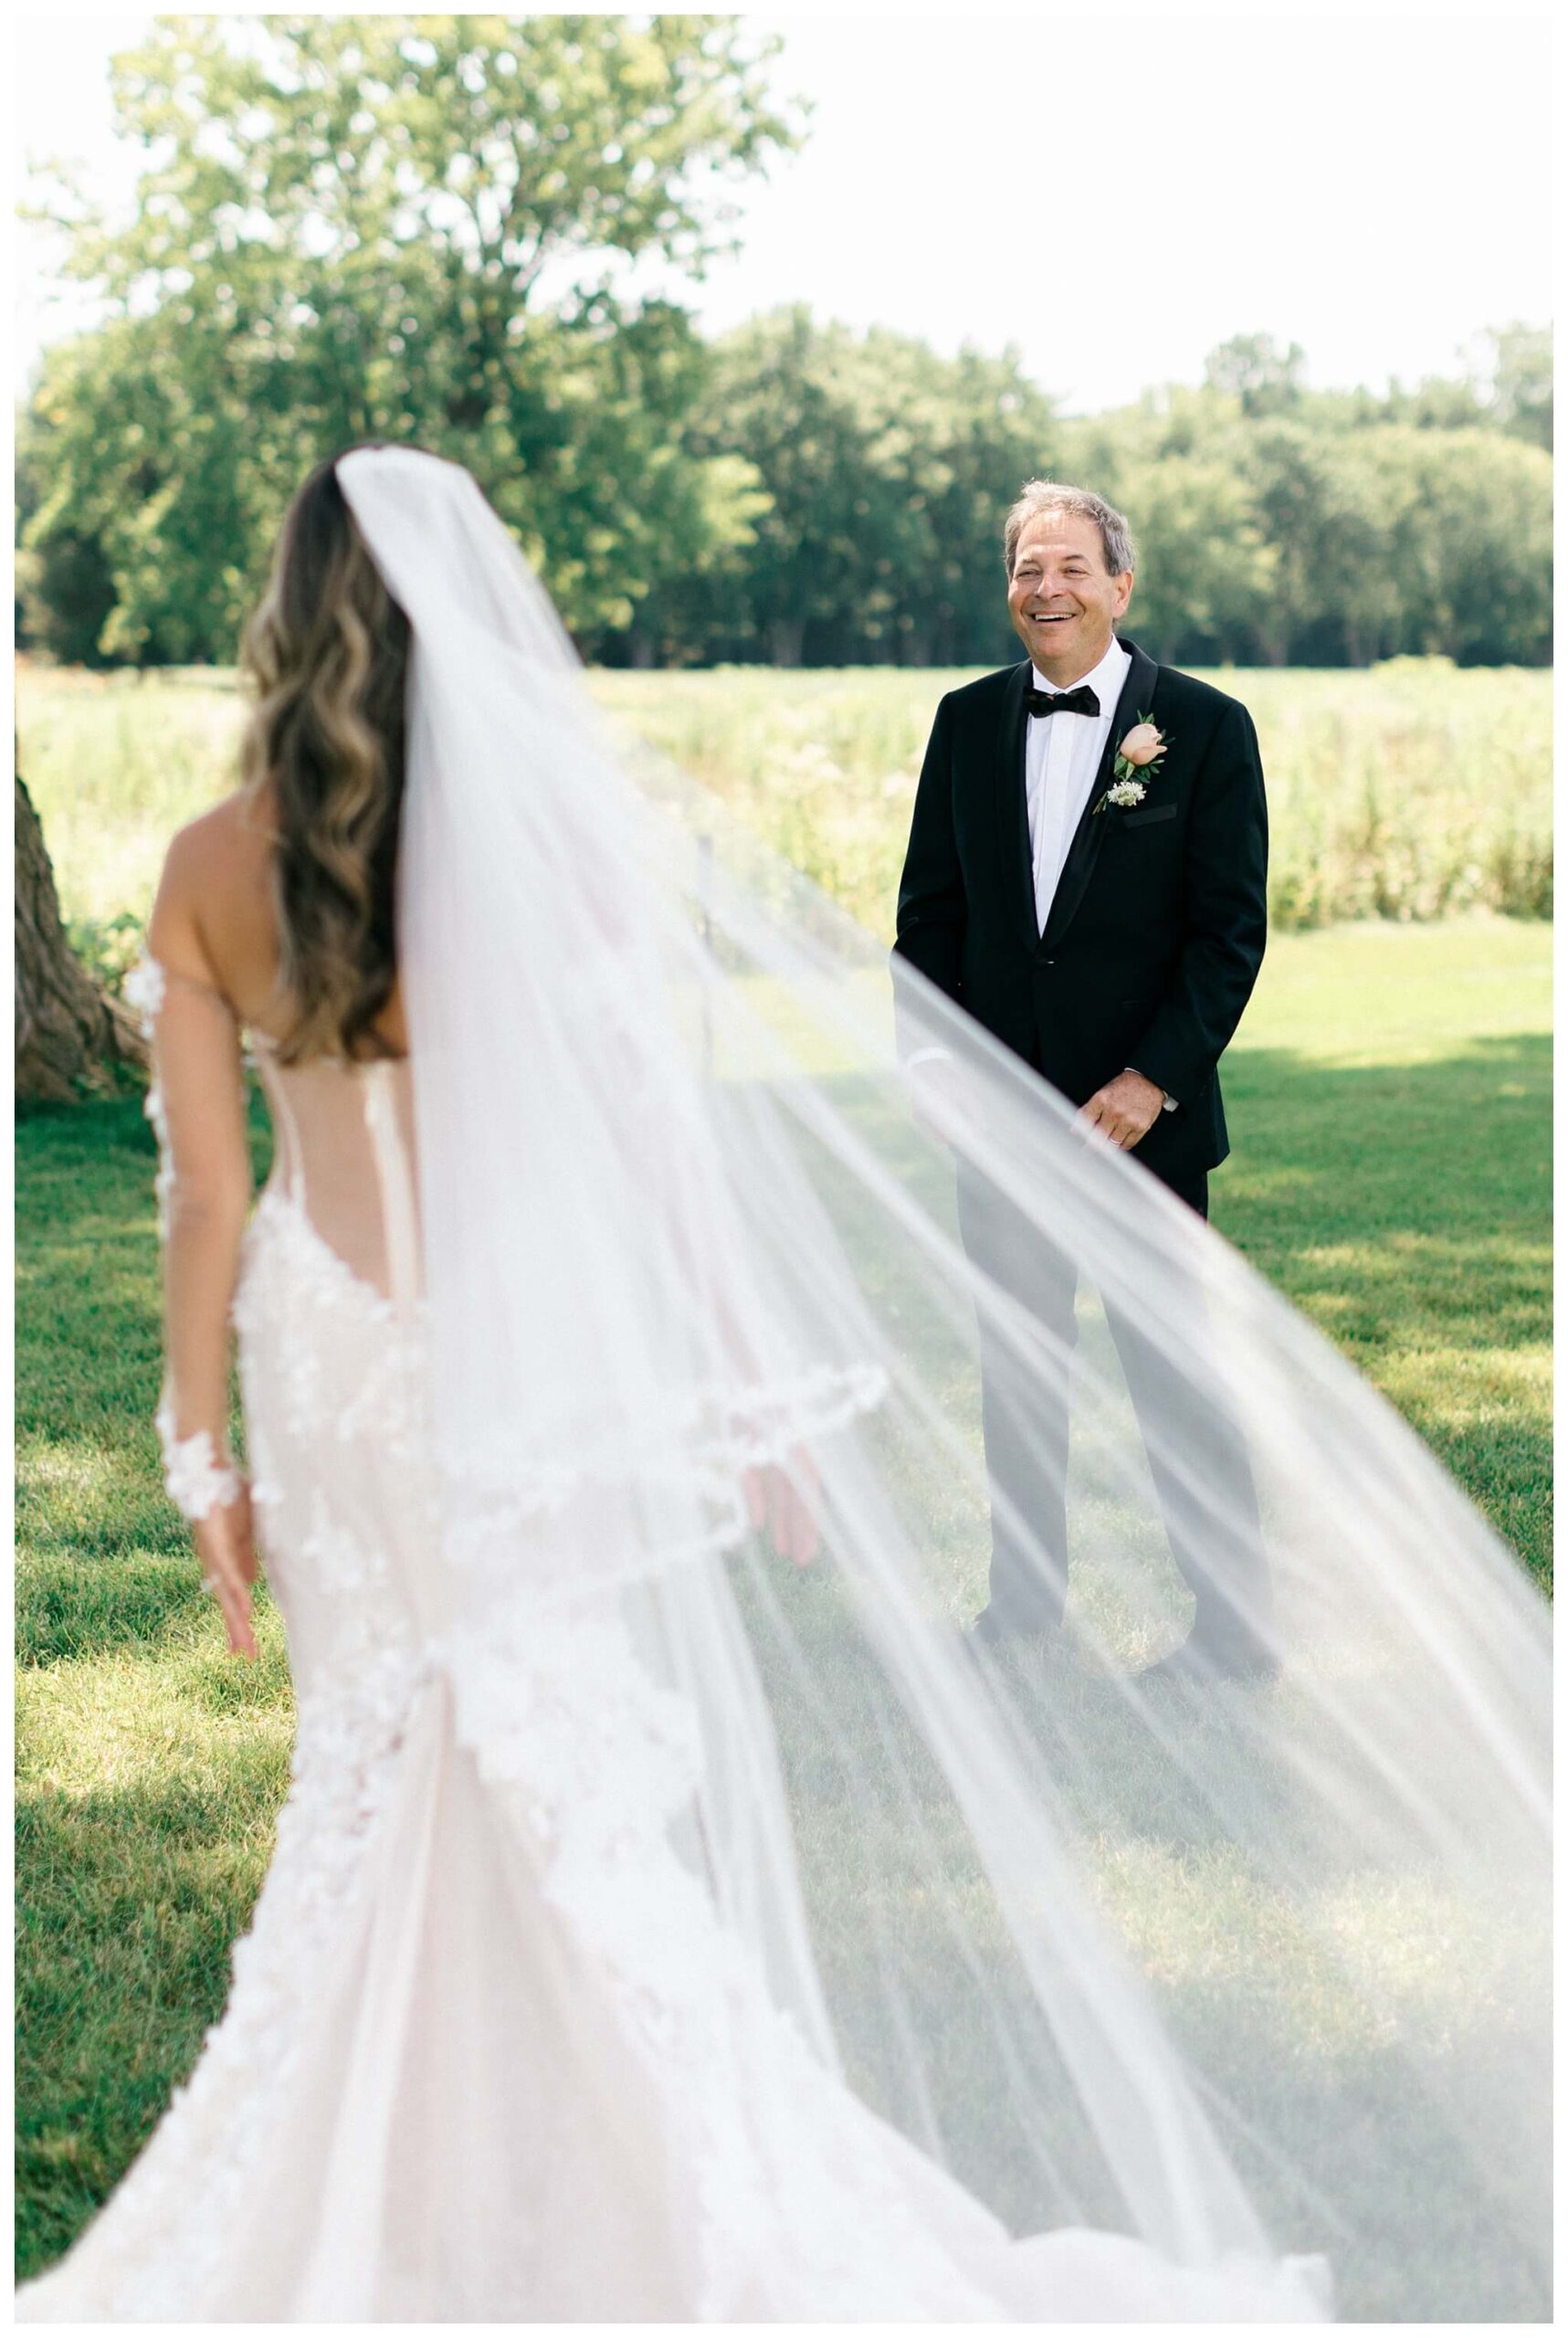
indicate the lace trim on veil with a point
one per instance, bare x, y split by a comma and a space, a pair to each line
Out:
697, 1458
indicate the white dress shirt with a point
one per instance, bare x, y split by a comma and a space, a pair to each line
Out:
1061, 756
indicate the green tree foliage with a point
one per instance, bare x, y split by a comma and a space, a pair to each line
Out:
888, 471
1279, 525
394, 226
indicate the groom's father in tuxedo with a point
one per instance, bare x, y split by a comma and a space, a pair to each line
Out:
1114, 950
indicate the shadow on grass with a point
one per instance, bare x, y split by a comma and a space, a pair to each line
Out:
1456, 1148
69, 1607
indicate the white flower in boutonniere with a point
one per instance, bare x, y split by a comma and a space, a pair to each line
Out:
1139, 751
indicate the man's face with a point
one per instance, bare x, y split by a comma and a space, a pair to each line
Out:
1063, 601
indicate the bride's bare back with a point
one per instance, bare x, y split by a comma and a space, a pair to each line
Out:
342, 1129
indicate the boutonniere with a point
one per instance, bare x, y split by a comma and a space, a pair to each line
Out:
1138, 752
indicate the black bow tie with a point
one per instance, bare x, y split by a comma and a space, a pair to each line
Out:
1080, 702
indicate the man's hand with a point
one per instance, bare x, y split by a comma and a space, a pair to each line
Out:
1125, 1108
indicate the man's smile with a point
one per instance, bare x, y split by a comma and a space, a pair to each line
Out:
1061, 598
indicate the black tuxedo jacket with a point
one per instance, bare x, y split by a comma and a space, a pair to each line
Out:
1156, 933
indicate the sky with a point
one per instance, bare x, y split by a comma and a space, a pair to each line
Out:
1111, 193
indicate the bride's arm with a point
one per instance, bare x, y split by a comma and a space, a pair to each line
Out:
198, 1108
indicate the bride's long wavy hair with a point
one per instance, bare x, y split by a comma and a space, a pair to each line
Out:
327, 653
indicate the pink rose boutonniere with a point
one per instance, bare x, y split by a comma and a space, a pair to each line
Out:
1140, 752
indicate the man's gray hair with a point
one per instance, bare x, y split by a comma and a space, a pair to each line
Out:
1048, 495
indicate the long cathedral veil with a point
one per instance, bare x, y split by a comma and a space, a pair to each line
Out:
1246, 1973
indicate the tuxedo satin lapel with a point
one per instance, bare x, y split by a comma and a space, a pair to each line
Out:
1012, 802
1137, 695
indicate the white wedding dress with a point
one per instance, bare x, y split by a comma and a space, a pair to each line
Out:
657, 1932
491, 2055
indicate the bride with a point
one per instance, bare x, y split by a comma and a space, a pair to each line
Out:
673, 1917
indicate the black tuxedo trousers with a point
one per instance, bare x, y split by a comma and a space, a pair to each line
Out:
1209, 1502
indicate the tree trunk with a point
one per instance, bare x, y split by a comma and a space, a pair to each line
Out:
67, 1030
786, 640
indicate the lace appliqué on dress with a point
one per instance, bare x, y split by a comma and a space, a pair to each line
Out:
296, 1302
788, 2165
144, 989
197, 1481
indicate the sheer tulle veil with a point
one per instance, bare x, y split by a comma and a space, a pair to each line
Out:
1251, 1972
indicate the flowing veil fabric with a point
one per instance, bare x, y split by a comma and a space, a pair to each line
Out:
1216, 1982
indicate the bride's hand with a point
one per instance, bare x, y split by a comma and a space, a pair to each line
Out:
226, 1549
783, 1503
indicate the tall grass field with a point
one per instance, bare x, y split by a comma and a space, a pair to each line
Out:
1388, 1097
1412, 791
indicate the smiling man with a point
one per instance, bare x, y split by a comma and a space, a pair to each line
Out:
1086, 876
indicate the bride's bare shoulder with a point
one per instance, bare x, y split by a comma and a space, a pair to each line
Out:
213, 914
234, 838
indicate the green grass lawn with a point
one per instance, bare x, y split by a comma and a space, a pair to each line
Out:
1389, 1110
1389, 1101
